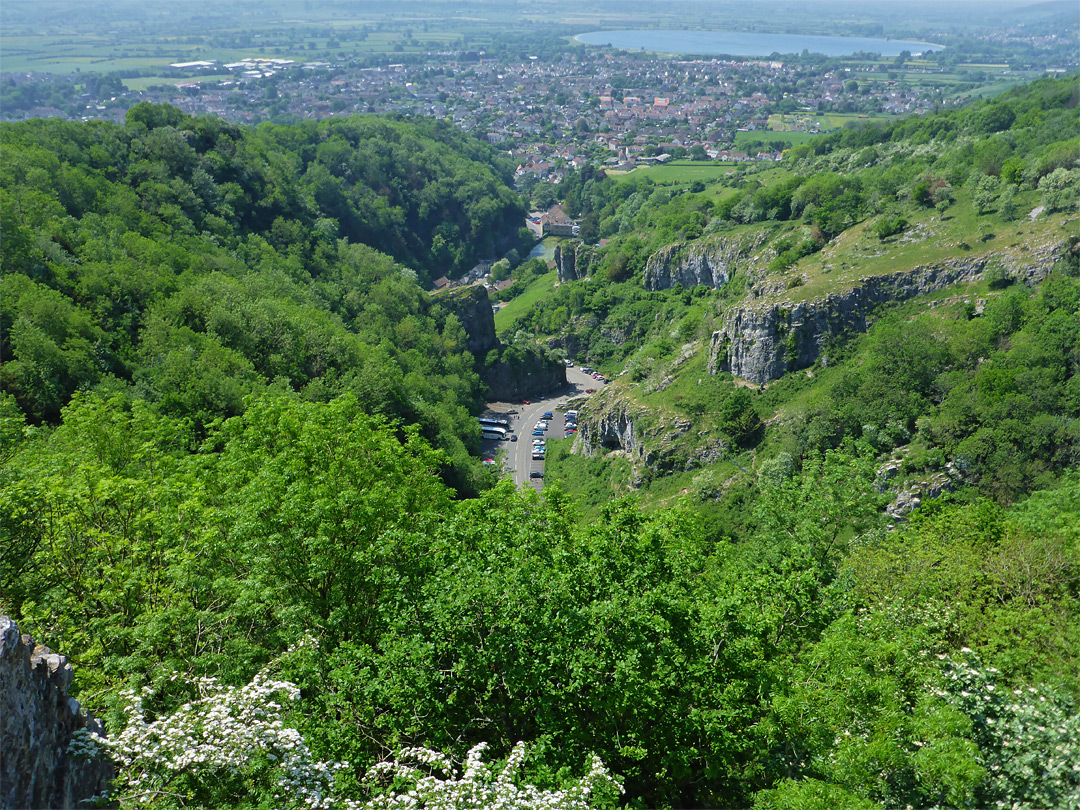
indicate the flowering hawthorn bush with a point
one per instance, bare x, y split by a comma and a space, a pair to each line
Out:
240, 732
1029, 739
227, 731
479, 786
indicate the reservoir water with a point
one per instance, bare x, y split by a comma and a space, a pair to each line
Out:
736, 43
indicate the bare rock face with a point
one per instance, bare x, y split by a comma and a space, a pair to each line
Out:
762, 342
37, 721
521, 372
473, 308
573, 260
711, 261
650, 439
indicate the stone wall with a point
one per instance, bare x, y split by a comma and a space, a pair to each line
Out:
37, 720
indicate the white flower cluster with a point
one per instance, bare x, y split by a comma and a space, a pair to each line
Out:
479, 787
1029, 739
228, 729
219, 732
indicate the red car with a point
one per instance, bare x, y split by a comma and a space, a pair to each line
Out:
525, 402
589, 390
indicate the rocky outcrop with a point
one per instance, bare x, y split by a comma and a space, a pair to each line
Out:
914, 492
650, 439
761, 342
710, 261
532, 375
573, 260
472, 306
37, 721
519, 370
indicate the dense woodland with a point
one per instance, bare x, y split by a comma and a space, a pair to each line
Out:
190, 263
233, 419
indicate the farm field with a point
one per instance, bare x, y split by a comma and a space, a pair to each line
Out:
680, 172
793, 138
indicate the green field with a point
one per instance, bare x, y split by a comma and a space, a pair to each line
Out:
989, 92
769, 135
837, 120
680, 172
77, 51
507, 316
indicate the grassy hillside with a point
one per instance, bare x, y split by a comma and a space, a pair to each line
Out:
858, 204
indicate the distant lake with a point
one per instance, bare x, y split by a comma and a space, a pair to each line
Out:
735, 43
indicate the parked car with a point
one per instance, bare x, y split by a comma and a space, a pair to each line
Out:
548, 415
513, 437
536, 474
512, 410
525, 402
538, 433
590, 390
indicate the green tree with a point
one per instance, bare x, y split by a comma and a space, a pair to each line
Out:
313, 495
985, 194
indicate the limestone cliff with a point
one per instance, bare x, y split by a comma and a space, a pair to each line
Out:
519, 370
529, 373
573, 260
651, 439
473, 308
37, 721
761, 341
710, 261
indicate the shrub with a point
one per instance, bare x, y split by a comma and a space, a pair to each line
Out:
888, 226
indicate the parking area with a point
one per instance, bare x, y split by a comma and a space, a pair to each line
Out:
524, 418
